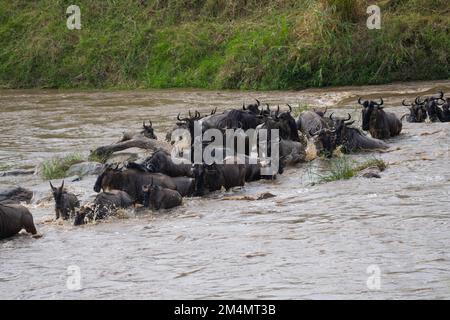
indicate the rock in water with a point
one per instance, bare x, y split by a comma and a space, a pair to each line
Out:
15, 195
85, 169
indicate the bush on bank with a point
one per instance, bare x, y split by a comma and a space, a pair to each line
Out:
221, 44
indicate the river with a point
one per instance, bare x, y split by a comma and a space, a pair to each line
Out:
311, 241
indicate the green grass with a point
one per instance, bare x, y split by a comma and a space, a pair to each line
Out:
56, 168
343, 168
101, 158
4, 167
217, 44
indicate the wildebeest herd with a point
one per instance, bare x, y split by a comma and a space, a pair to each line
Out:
160, 183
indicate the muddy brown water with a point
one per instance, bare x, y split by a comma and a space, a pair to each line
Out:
310, 241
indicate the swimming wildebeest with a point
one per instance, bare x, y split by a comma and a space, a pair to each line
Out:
215, 176
288, 127
147, 131
161, 162
446, 111
105, 204
352, 139
314, 125
131, 181
65, 202
435, 113
380, 124
14, 218
157, 197
417, 112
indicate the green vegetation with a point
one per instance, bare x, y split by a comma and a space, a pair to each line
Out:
236, 44
343, 168
4, 167
56, 168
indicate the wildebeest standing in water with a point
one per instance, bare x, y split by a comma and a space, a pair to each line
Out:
105, 204
380, 124
14, 218
161, 162
156, 197
215, 176
65, 202
431, 104
131, 181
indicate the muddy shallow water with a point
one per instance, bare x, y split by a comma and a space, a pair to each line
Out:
310, 241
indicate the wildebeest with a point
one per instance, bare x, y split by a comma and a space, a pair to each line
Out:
105, 204
380, 124
156, 197
161, 162
131, 181
310, 121
215, 176
417, 112
352, 139
435, 113
289, 130
14, 218
252, 108
65, 202
147, 131
446, 111
292, 152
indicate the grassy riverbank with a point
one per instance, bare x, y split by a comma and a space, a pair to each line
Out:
252, 44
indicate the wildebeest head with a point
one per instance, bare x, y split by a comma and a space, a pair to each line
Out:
148, 131
80, 215
432, 106
327, 137
368, 108
105, 178
320, 112
289, 126
340, 125
58, 195
417, 111
213, 177
252, 108
148, 193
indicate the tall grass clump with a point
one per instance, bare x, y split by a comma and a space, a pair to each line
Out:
217, 44
56, 168
344, 168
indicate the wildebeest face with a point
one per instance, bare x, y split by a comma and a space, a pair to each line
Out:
252, 108
368, 108
148, 190
148, 131
58, 195
339, 126
327, 138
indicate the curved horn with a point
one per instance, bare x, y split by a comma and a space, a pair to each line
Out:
278, 110
197, 114
359, 101
441, 95
243, 106
350, 123
331, 116
382, 102
62, 185
349, 117
267, 107
178, 117
51, 186
326, 109
290, 108
150, 123
406, 105
257, 102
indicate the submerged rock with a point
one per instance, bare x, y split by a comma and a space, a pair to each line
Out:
85, 169
15, 195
